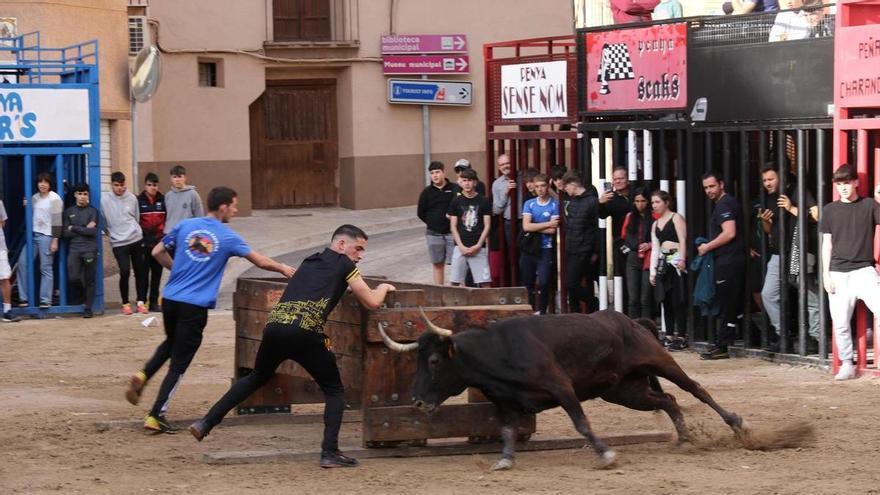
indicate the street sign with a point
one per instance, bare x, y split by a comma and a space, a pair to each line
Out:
425, 64
428, 92
424, 43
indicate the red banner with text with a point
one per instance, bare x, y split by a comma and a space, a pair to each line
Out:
637, 69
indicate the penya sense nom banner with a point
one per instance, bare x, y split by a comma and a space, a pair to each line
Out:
637, 69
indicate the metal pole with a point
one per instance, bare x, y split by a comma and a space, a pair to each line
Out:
782, 243
648, 154
821, 198
426, 140
134, 182
747, 227
762, 195
632, 144
803, 235
603, 251
29, 228
62, 256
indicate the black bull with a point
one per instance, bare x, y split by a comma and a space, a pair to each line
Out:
528, 364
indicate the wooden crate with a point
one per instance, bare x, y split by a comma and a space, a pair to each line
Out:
377, 379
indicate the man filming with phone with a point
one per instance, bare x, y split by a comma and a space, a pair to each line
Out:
616, 203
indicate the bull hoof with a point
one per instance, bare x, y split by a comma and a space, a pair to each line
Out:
503, 464
607, 459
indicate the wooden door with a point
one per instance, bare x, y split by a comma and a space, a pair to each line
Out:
294, 145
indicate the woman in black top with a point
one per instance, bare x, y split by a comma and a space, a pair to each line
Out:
668, 262
636, 234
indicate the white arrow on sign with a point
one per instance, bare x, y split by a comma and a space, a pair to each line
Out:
461, 64
459, 42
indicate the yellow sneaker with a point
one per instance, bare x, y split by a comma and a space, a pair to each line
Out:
142, 308
126, 309
159, 424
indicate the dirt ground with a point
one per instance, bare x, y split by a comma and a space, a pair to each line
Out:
59, 377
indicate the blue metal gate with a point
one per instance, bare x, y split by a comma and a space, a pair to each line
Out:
49, 122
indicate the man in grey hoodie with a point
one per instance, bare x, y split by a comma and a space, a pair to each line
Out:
181, 201
122, 222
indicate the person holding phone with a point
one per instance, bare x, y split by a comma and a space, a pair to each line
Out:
616, 202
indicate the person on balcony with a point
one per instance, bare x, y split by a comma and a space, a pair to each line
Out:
791, 24
627, 11
750, 6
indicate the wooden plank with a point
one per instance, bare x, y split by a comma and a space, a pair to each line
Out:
249, 323
405, 298
440, 448
388, 424
258, 294
292, 384
498, 295
437, 295
348, 310
406, 324
388, 376
350, 416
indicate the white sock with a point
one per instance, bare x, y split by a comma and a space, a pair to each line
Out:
7, 307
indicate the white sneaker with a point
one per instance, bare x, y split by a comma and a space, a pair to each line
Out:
846, 372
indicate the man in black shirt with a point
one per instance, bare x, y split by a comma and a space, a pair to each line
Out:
433, 205
470, 221
294, 330
848, 265
730, 260
80, 228
580, 209
616, 203
779, 204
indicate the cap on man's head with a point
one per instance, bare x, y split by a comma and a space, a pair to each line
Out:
462, 164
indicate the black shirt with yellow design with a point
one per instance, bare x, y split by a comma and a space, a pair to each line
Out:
314, 290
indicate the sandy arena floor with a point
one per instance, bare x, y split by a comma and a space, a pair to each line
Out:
59, 377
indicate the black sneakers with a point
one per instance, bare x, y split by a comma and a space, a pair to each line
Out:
714, 353
8, 317
199, 429
336, 459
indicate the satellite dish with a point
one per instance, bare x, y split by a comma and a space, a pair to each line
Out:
146, 74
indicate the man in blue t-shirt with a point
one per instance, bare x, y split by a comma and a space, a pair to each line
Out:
540, 217
201, 248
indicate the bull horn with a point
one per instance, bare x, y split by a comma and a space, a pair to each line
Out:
434, 328
396, 346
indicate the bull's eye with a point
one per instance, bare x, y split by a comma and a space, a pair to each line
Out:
434, 360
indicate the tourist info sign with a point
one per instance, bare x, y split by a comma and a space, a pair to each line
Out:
425, 64
428, 92
424, 43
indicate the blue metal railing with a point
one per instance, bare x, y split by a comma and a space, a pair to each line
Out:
73, 67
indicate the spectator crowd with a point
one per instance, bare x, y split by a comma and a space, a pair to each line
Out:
134, 225
561, 218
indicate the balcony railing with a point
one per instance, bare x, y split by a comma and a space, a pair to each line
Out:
755, 28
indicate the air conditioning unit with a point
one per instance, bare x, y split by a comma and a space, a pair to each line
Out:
138, 34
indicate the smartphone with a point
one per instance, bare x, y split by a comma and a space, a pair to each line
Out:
606, 186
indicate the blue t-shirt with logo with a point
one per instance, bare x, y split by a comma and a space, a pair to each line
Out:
201, 247
541, 214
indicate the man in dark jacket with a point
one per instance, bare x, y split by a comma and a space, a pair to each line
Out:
616, 202
79, 227
151, 204
433, 205
580, 210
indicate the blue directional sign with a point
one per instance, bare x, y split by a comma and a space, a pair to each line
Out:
430, 92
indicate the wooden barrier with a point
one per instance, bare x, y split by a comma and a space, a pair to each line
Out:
377, 380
